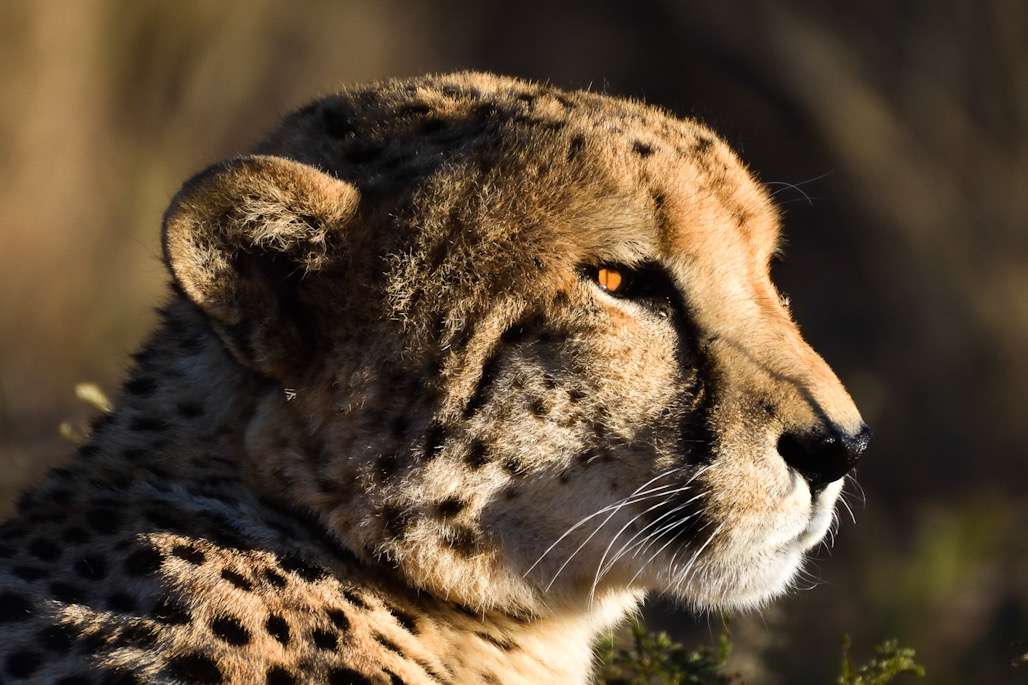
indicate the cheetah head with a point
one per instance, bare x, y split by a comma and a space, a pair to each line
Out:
522, 345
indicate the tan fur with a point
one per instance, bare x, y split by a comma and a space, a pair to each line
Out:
391, 429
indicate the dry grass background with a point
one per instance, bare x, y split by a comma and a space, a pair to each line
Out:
895, 134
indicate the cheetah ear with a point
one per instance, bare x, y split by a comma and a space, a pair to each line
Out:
249, 240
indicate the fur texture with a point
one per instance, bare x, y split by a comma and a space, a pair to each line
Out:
393, 428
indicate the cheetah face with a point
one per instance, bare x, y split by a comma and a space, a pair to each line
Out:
533, 353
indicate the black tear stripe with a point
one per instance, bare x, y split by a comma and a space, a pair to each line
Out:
693, 364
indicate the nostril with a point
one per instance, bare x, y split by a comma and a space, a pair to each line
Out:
822, 458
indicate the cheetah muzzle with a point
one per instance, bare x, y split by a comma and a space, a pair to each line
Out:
453, 371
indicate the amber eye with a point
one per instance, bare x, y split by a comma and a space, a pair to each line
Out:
609, 279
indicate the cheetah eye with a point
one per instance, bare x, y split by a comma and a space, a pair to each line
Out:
609, 279
647, 282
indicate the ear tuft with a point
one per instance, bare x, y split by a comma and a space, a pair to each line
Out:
242, 236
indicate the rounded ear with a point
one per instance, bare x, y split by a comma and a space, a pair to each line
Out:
245, 239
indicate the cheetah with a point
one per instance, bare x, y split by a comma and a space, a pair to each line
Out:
452, 372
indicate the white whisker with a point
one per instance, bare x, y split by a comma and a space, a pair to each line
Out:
638, 495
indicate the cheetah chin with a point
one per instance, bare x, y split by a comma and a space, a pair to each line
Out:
453, 371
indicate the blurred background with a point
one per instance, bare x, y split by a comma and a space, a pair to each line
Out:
894, 134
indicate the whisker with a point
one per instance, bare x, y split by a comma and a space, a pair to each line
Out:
638, 495
602, 570
696, 555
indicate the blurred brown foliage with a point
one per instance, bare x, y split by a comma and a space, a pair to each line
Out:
893, 132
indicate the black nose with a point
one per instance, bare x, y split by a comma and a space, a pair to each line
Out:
823, 457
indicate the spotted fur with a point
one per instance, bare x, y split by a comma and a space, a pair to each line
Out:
392, 428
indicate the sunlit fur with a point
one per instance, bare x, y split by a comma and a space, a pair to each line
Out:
388, 352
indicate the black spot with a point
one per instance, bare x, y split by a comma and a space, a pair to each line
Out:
324, 639
29, 573
147, 424
236, 579
407, 621
477, 455
386, 465
514, 466
104, 520
278, 628
538, 407
511, 492
355, 599
67, 593
702, 145
485, 381
500, 643
143, 562
273, 577
417, 109
56, 638
122, 602
429, 670
575, 146
393, 678
451, 506
486, 110
278, 675
141, 387
435, 440
231, 630
22, 664
432, 125
642, 149
195, 667
138, 635
301, 567
96, 640
75, 535
189, 553
395, 521
190, 410
44, 549
170, 611
387, 643
339, 619
347, 676
461, 540
336, 123
91, 567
